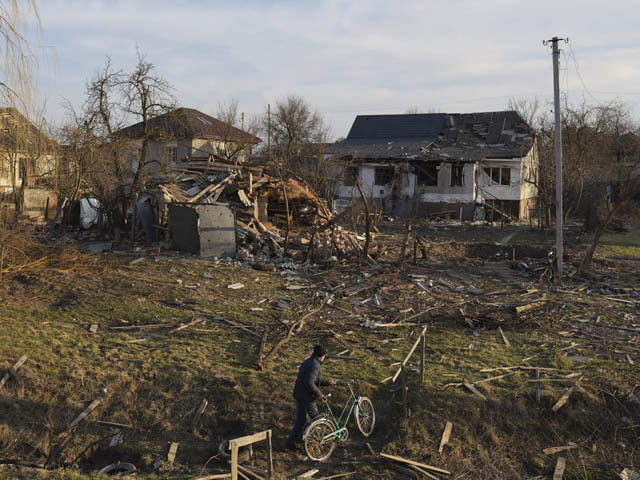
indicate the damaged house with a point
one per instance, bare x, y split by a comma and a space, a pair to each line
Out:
461, 164
186, 134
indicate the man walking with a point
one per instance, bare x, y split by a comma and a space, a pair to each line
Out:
307, 391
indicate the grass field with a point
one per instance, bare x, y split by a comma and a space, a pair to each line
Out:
150, 379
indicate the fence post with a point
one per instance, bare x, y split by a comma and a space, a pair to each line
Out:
422, 342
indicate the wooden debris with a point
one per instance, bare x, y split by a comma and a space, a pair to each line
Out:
92, 406
530, 306
15, 367
173, 449
201, 409
423, 472
236, 286
445, 436
309, 473
563, 399
195, 321
627, 474
93, 328
559, 471
554, 450
417, 464
474, 390
504, 337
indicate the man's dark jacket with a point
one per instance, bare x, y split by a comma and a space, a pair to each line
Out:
309, 379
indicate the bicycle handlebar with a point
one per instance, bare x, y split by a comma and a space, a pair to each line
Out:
339, 381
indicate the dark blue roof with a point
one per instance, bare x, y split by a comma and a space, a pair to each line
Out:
421, 127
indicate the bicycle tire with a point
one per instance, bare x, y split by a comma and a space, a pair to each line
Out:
312, 439
365, 416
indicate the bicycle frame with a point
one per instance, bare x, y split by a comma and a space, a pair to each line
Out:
348, 409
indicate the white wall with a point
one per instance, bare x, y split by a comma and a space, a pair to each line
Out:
487, 191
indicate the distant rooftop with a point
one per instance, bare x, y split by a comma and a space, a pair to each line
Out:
191, 123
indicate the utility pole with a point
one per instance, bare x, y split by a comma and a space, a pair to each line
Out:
269, 131
558, 144
242, 120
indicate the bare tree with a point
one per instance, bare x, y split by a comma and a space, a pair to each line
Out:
112, 162
298, 140
238, 132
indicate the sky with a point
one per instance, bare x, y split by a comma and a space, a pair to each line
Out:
347, 58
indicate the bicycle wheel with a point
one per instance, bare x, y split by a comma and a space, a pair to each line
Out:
365, 416
315, 447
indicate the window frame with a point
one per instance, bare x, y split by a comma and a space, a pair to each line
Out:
378, 172
453, 180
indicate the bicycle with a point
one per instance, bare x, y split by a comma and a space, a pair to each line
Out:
323, 434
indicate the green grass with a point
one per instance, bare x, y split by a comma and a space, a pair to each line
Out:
157, 379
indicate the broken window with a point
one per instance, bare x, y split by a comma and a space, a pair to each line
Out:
350, 175
457, 175
383, 175
505, 176
498, 176
427, 174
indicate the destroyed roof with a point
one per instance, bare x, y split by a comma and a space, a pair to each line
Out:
437, 136
191, 123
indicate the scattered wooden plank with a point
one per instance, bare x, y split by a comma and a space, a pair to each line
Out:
474, 390
406, 471
217, 476
173, 449
309, 474
423, 472
504, 337
406, 359
15, 367
530, 306
92, 406
195, 321
563, 399
559, 471
554, 450
93, 328
417, 464
201, 409
250, 473
445, 436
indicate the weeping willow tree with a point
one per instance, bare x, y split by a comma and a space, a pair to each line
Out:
19, 57
22, 141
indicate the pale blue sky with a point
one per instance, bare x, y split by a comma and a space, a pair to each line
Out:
348, 57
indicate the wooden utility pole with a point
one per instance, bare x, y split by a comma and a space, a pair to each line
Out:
269, 131
558, 144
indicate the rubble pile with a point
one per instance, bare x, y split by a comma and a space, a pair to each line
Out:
261, 199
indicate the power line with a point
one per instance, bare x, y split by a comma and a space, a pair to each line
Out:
575, 63
431, 105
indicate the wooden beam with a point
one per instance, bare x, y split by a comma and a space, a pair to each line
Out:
445, 436
404, 362
417, 464
173, 450
559, 471
92, 406
563, 399
15, 367
504, 337
474, 390
201, 409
